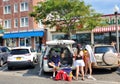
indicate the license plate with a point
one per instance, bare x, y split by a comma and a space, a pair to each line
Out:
18, 58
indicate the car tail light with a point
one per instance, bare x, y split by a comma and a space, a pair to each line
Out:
45, 58
27, 54
74, 56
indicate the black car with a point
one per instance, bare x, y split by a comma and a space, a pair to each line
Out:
4, 53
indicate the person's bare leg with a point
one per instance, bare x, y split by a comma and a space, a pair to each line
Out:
77, 72
86, 68
54, 68
90, 68
82, 72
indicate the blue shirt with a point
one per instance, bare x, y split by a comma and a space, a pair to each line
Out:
55, 59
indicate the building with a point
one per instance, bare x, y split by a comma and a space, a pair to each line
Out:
19, 28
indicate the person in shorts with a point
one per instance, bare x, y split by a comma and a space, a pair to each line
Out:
79, 64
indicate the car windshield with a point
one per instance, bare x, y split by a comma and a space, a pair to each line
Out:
19, 51
103, 49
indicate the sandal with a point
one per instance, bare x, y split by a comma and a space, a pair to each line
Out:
83, 79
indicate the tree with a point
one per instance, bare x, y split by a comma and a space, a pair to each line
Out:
66, 15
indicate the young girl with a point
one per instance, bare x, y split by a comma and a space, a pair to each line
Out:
79, 64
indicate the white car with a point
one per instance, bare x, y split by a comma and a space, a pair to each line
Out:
21, 56
58, 46
106, 57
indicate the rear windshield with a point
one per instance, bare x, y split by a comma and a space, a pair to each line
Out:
19, 51
103, 49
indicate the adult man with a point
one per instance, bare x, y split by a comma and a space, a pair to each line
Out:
54, 62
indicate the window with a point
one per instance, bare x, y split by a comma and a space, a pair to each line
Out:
83, 38
25, 41
7, 24
15, 22
22, 42
58, 36
24, 6
11, 42
24, 22
5, 49
7, 9
15, 8
19, 51
28, 42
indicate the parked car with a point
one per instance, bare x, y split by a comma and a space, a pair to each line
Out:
58, 46
106, 57
4, 53
21, 56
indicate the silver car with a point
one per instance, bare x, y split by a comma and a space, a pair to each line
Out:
4, 53
106, 57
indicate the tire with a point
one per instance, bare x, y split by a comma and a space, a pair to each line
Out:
1, 63
9, 68
109, 58
33, 63
114, 69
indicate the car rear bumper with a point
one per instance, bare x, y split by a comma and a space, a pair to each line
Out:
47, 69
107, 66
19, 64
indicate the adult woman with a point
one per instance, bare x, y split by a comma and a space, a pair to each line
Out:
89, 59
79, 64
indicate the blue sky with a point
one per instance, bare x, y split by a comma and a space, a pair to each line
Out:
104, 6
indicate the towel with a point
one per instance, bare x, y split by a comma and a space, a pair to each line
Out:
90, 51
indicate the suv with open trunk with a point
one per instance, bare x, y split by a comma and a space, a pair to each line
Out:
61, 47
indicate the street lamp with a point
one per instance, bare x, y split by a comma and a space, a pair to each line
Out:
116, 9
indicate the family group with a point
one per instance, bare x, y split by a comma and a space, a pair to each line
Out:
83, 61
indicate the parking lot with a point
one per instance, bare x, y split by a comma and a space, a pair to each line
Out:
102, 75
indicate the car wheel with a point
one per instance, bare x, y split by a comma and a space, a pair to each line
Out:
33, 64
109, 58
9, 68
1, 62
114, 69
